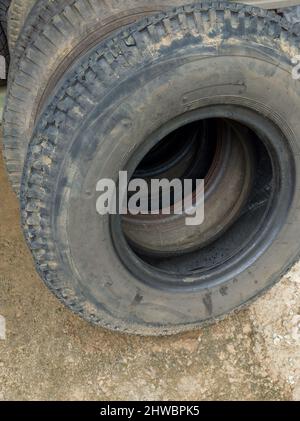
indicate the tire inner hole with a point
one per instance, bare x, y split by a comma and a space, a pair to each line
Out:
238, 178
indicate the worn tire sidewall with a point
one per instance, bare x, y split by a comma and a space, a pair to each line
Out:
91, 266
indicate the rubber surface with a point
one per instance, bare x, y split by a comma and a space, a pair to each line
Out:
54, 35
17, 14
64, 142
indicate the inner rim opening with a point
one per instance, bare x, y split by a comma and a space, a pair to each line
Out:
224, 153
182, 154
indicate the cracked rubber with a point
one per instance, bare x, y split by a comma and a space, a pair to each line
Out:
63, 145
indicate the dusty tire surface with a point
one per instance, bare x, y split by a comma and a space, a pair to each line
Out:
53, 37
17, 14
163, 69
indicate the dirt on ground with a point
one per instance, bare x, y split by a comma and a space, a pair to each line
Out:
51, 354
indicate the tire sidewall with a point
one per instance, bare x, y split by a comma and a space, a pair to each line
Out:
151, 98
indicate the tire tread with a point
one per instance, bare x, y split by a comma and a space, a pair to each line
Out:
47, 146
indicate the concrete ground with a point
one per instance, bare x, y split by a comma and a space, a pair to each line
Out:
51, 354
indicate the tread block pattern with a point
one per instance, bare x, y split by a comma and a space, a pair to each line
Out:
47, 37
58, 122
17, 14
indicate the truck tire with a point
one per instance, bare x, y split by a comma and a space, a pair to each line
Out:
61, 33
17, 14
207, 63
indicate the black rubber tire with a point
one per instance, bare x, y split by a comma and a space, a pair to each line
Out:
162, 69
17, 13
4, 5
52, 38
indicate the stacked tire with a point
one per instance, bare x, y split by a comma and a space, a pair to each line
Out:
158, 89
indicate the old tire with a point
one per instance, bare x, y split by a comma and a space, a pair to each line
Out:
16, 17
53, 37
209, 61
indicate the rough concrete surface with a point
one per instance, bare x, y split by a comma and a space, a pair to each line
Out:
51, 354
